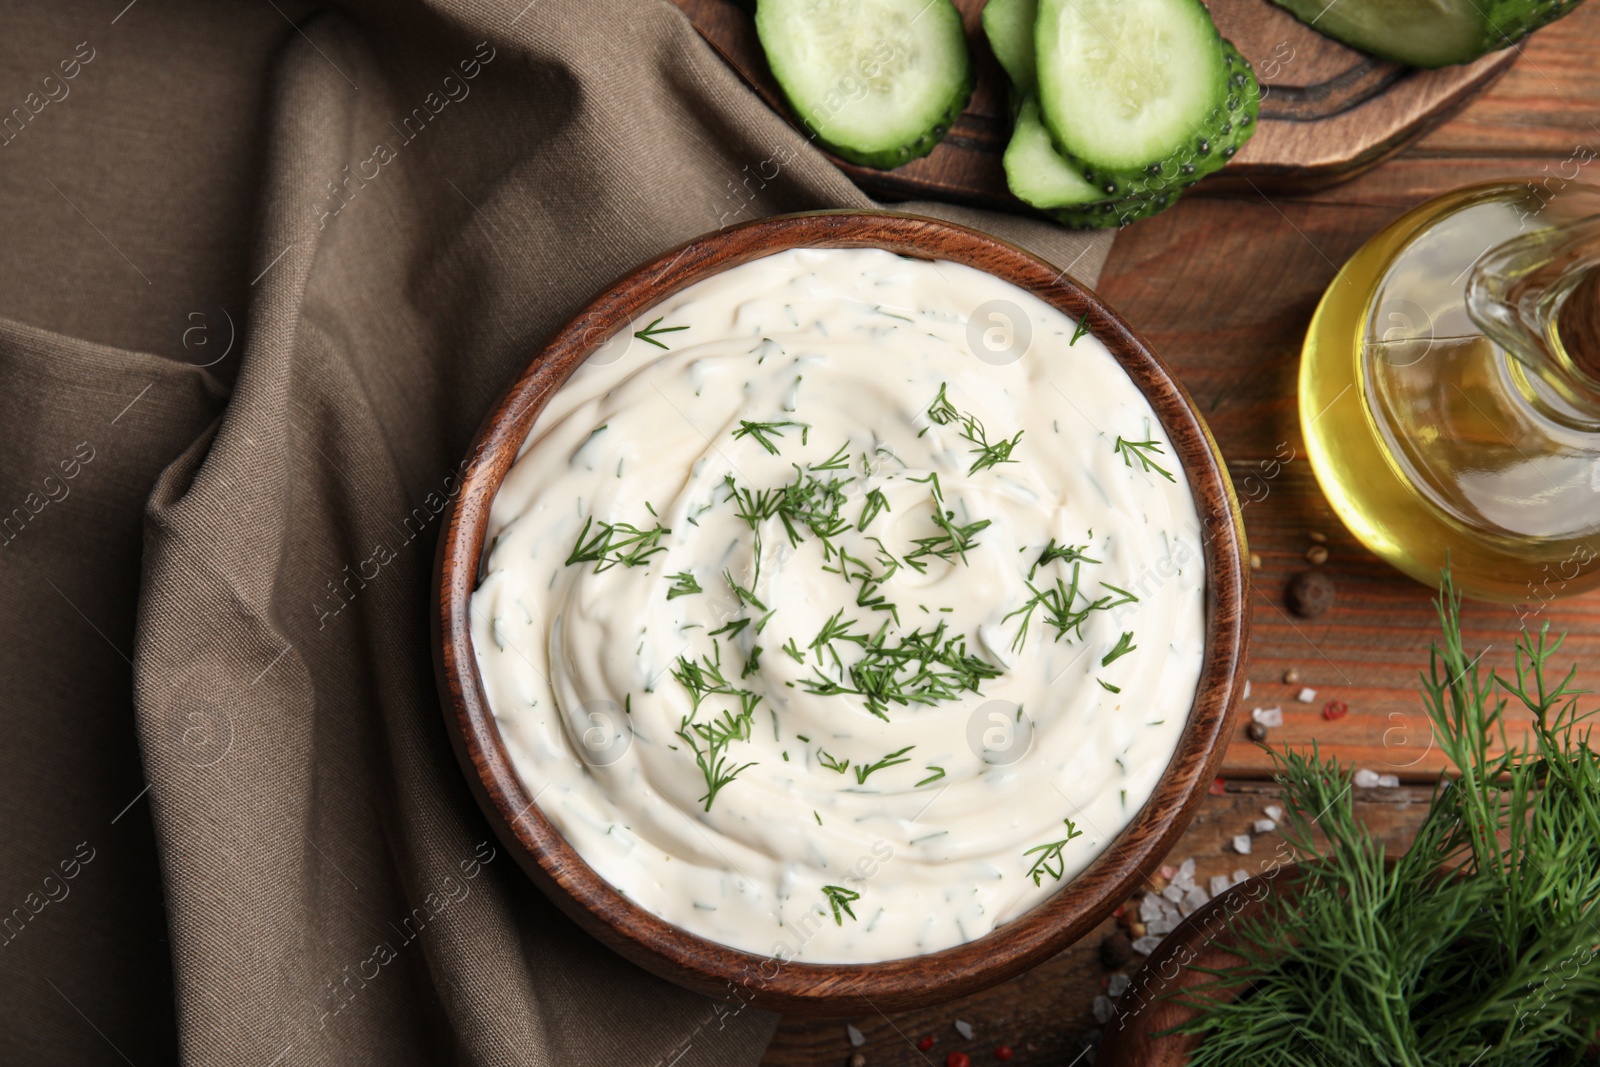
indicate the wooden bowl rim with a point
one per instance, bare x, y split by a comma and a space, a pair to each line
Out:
765, 981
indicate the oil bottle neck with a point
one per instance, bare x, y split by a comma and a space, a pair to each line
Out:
1538, 296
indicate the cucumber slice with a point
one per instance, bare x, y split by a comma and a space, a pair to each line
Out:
1127, 84
1216, 140
876, 81
1428, 33
1037, 173
1009, 26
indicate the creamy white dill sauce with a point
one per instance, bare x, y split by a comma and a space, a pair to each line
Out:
592, 676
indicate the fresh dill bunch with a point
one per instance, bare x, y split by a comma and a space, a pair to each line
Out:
1477, 945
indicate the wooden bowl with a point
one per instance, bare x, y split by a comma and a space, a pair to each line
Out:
835, 989
1135, 1037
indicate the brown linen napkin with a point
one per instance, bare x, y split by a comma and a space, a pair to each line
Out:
267, 267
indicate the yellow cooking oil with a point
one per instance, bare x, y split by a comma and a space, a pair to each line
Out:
1447, 413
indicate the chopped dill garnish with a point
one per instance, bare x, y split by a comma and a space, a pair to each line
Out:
923, 667
1064, 553
704, 678
939, 773
1050, 862
839, 461
1124, 597
870, 507
616, 543
1123, 647
743, 595
942, 412
794, 651
831, 763
712, 759
837, 628
951, 542
1140, 450
683, 584
650, 331
752, 663
1059, 612
865, 770
1108, 687
840, 898
761, 430
733, 628
1083, 328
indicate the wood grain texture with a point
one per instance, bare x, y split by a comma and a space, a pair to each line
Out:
1327, 112
1045, 1015
766, 982
1224, 287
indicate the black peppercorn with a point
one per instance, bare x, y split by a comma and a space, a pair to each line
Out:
1310, 594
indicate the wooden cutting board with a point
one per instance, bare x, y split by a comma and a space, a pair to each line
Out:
1328, 112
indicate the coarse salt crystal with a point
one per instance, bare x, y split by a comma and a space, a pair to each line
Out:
1186, 869
1146, 945
1274, 813
1193, 900
1240, 876
1172, 893
1168, 871
1241, 844
964, 1028
1271, 718
1306, 696
1149, 908
857, 1038
1118, 985
1264, 826
1104, 1010
1169, 910
1219, 884
1161, 926
1366, 779
1388, 781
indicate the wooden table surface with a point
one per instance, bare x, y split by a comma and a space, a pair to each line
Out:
1223, 287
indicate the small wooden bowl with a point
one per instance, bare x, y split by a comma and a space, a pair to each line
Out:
1152, 1005
835, 989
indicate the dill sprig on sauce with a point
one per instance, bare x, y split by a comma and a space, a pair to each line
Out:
1057, 603
1476, 945
942, 412
1123, 646
1050, 861
871, 507
922, 667
1141, 450
831, 762
953, 540
683, 584
616, 543
934, 777
865, 770
839, 461
704, 678
841, 899
709, 742
649, 332
763, 432
1065, 553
